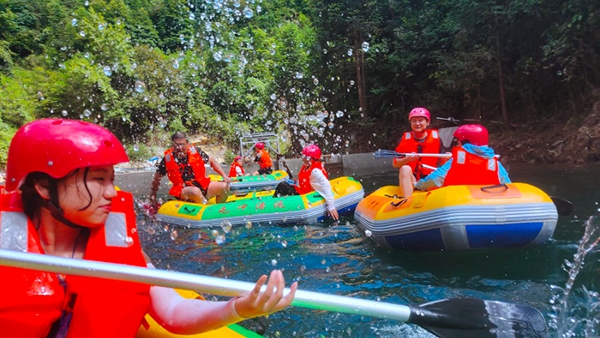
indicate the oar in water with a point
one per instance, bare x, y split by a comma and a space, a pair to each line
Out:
563, 207
464, 317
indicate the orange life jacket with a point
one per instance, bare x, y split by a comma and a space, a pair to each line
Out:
264, 159
33, 300
431, 145
232, 171
469, 168
174, 172
304, 186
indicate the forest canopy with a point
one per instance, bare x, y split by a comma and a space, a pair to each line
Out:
341, 73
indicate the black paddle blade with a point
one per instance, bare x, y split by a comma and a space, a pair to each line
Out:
563, 207
470, 317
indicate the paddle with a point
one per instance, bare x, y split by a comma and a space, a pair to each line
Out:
466, 317
287, 170
563, 207
381, 153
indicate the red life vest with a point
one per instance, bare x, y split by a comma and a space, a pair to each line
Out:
232, 171
304, 186
174, 172
264, 159
469, 168
431, 145
33, 300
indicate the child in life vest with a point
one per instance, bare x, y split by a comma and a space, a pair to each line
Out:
63, 202
237, 167
473, 162
312, 177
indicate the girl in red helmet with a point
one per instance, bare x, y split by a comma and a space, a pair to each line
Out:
418, 141
63, 202
472, 162
263, 159
312, 177
237, 167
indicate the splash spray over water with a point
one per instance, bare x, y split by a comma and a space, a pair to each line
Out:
583, 303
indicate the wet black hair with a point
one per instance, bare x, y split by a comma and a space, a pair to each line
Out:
178, 135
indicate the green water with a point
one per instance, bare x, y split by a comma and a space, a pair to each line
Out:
338, 259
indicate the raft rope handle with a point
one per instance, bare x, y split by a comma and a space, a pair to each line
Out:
489, 188
399, 203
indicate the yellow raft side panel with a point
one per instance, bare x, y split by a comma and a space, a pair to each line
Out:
157, 331
385, 204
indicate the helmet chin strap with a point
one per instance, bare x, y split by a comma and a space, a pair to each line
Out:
58, 215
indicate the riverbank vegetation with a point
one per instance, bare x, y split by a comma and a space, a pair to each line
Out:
341, 73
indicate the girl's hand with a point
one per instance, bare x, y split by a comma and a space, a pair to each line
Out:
258, 303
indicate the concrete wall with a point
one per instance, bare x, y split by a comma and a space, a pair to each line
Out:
138, 182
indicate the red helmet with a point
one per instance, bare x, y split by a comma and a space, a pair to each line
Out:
57, 147
419, 111
237, 158
475, 134
259, 145
312, 150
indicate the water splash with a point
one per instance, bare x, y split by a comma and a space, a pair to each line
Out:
587, 304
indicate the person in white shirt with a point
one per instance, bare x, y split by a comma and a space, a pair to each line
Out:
312, 177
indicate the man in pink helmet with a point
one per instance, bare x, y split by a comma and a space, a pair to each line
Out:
472, 162
418, 141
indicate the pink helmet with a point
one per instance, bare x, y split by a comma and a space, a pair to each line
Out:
57, 147
237, 158
475, 134
419, 111
259, 145
312, 150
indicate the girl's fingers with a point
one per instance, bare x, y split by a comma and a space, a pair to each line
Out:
266, 296
255, 294
277, 293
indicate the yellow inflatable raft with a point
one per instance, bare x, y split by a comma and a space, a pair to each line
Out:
261, 206
458, 218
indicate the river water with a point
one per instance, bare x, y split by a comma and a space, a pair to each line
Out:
338, 259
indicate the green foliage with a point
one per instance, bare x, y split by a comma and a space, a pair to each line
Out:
139, 152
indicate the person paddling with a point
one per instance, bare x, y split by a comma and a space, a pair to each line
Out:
63, 202
473, 162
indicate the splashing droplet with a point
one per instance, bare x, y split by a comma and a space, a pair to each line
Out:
248, 13
140, 86
220, 239
365, 46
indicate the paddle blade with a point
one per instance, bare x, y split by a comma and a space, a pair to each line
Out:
563, 207
469, 317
